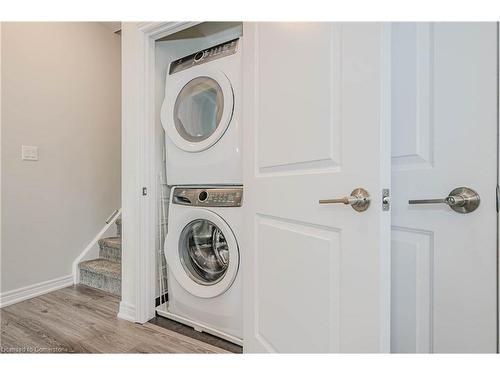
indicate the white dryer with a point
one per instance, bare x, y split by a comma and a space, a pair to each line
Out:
201, 117
203, 258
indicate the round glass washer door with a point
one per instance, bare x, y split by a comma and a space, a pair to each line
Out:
198, 109
202, 252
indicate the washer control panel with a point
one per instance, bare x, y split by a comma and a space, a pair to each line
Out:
206, 55
209, 196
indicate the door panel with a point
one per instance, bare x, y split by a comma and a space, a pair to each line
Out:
316, 126
282, 244
302, 146
444, 135
411, 286
412, 72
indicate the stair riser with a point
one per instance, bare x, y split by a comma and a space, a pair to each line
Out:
102, 282
110, 253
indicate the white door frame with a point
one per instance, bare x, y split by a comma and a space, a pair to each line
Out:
138, 166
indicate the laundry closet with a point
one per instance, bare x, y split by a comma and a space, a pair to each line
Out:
313, 187
198, 107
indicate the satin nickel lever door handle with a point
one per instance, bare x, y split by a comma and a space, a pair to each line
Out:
359, 200
462, 200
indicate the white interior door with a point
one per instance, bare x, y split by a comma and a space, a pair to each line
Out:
444, 135
316, 126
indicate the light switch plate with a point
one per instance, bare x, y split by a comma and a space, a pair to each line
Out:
29, 153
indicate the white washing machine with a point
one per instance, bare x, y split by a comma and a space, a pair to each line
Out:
201, 117
203, 257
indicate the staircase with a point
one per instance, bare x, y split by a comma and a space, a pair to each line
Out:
105, 272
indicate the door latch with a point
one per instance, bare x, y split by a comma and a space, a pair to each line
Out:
386, 200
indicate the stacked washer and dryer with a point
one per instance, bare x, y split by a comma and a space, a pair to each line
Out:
201, 118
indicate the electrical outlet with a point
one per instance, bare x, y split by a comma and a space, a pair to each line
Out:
29, 153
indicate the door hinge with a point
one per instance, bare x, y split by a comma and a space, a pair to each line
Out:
386, 200
144, 191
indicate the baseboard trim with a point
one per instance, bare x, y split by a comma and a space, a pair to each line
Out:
17, 295
127, 312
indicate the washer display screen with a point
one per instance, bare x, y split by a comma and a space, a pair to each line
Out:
204, 252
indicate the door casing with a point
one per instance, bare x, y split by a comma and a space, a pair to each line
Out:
138, 166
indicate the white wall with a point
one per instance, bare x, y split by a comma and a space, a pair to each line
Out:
61, 89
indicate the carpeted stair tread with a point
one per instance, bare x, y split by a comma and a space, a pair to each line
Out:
113, 242
102, 266
104, 273
110, 248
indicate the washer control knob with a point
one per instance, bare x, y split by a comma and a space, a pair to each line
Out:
202, 197
198, 56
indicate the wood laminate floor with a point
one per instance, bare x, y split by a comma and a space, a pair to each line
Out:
79, 319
